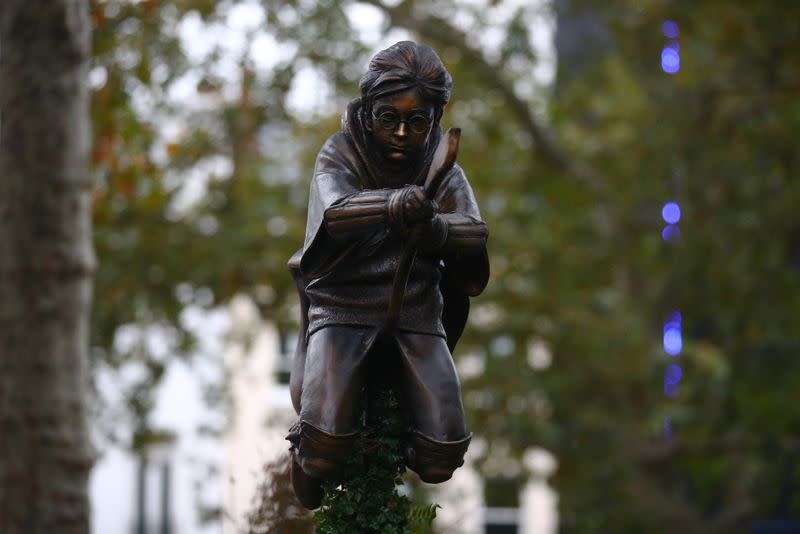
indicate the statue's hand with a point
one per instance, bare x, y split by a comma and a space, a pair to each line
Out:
409, 205
418, 207
429, 236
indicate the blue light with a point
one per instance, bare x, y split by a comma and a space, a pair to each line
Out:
673, 374
673, 341
671, 232
673, 321
670, 60
672, 325
671, 390
670, 29
672, 377
671, 212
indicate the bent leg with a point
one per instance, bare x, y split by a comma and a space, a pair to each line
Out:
333, 376
334, 372
324, 437
430, 388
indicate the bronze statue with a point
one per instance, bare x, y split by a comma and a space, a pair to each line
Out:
385, 273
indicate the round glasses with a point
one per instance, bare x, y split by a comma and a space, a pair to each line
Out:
389, 120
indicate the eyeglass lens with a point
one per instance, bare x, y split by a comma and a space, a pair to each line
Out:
390, 121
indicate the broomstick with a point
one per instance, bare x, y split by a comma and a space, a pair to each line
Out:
443, 160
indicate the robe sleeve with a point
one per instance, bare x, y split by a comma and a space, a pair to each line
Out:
466, 263
335, 178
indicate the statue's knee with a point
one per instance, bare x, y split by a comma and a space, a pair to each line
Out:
435, 461
319, 453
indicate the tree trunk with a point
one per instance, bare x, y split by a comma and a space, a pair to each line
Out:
46, 261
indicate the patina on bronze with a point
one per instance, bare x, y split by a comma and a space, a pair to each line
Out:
375, 229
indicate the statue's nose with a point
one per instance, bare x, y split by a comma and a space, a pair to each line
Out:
402, 129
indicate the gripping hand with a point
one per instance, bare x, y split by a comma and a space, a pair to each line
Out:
408, 206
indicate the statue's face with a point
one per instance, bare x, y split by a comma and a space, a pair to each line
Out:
401, 125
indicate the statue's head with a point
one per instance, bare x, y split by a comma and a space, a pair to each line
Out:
403, 95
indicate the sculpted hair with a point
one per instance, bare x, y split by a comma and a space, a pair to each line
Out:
407, 65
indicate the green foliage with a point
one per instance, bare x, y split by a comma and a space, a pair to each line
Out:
570, 178
277, 510
159, 253
367, 500
591, 281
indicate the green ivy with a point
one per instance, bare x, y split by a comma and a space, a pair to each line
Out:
367, 500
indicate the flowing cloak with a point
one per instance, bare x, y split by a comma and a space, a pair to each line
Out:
348, 283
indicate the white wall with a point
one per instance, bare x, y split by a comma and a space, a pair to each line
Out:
261, 412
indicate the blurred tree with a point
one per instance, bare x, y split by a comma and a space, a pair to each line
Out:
708, 136
592, 281
277, 510
194, 158
45, 267
564, 349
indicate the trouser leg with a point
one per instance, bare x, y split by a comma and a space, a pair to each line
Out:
324, 437
437, 439
329, 403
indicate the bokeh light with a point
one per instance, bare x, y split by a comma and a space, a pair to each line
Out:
670, 60
671, 232
671, 212
673, 341
672, 377
670, 29
673, 322
671, 390
673, 374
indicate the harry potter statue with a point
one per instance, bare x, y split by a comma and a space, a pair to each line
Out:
394, 248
